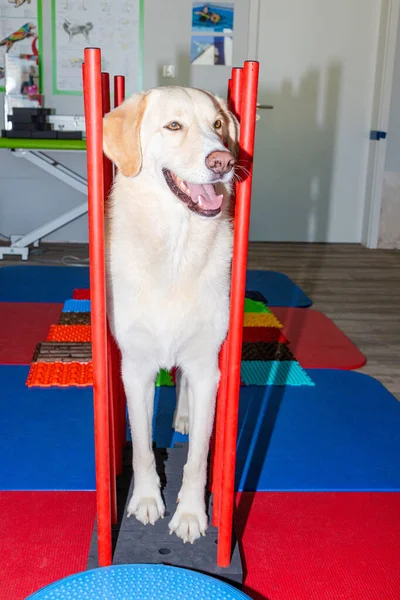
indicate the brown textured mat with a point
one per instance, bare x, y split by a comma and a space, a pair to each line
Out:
63, 352
274, 351
266, 351
74, 318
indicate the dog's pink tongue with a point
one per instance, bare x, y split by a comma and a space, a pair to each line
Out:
205, 195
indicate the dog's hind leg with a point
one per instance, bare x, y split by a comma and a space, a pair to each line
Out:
146, 502
190, 520
181, 416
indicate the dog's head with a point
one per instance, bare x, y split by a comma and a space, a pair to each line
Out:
184, 136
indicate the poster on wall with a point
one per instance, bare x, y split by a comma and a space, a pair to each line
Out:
20, 24
212, 29
212, 18
115, 26
210, 50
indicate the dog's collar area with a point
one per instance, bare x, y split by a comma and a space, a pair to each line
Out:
195, 196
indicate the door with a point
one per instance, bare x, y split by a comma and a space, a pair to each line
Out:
384, 79
317, 66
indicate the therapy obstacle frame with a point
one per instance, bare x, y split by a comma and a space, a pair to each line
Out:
109, 399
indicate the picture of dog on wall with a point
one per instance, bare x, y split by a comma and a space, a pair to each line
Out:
75, 29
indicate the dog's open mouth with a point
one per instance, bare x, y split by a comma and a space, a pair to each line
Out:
199, 198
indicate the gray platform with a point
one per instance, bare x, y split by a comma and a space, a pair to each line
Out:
138, 543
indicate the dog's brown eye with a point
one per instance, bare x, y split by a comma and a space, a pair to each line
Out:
218, 124
173, 126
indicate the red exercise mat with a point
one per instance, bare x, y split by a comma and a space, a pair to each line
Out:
45, 536
263, 334
22, 326
315, 340
81, 294
320, 546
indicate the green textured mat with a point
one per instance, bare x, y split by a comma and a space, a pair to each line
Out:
253, 306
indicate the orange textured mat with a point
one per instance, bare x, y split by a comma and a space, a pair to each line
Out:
69, 333
58, 374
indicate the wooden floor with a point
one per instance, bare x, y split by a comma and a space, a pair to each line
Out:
358, 289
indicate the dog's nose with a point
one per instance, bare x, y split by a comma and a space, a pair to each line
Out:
220, 162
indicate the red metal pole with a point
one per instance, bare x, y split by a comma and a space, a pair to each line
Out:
119, 90
238, 288
229, 92
122, 407
94, 145
219, 435
237, 91
106, 106
114, 447
119, 97
112, 397
234, 95
114, 379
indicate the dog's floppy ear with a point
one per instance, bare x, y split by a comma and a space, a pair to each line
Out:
121, 135
231, 129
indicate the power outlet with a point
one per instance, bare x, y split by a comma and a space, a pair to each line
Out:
168, 71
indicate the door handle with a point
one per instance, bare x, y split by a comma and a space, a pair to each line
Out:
265, 106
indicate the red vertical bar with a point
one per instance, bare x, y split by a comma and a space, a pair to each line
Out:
122, 408
229, 92
112, 398
114, 383
106, 107
219, 435
234, 96
238, 288
94, 146
119, 90
113, 425
113, 355
119, 97
237, 91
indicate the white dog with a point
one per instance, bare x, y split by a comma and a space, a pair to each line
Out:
169, 244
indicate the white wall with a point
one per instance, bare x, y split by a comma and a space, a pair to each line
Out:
29, 197
389, 233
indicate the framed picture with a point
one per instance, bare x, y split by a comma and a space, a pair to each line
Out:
211, 50
213, 17
22, 75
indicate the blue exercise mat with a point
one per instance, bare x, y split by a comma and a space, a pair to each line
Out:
46, 435
56, 284
41, 284
277, 288
343, 434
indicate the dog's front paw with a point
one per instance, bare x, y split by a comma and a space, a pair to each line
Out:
189, 523
146, 508
181, 424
